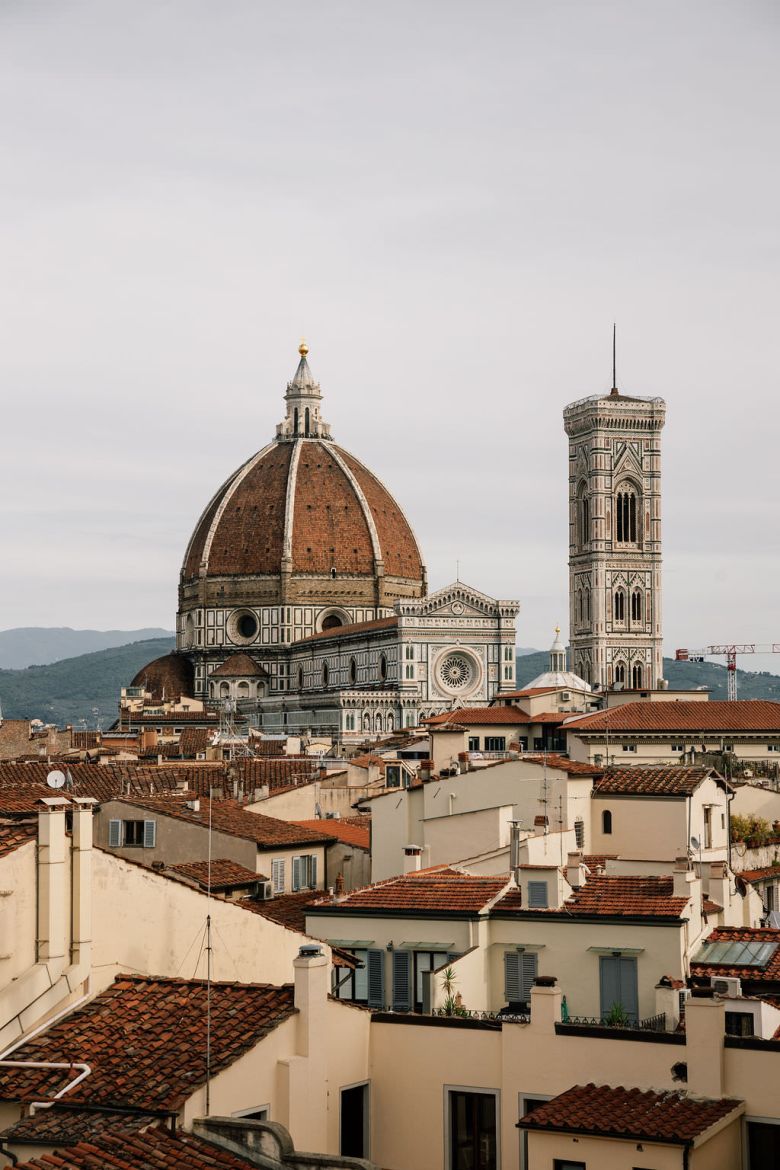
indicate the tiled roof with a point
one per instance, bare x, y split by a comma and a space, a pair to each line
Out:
759, 934
144, 1041
526, 691
598, 860
748, 715
366, 760
564, 764
16, 833
155, 1149
759, 875
615, 1112
239, 666
354, 629
674, 780
441, 890
609, 896
228, 816
286, 909
170, 676
500, 716
224, 873
194, 740
349, 834
61, 1125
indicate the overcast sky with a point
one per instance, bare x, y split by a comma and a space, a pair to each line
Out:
453, 201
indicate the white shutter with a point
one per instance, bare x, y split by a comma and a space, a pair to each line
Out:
114, 834
277, 875
150, 834
296, 874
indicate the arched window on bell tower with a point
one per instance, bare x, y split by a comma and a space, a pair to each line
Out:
636, 676
626, 508
620, 605
583, 516
620, 673
636, 606
295, 421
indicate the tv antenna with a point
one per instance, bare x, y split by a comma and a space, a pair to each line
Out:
56, 779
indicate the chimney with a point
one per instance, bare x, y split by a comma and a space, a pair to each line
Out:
546, 1000
81, 884
705, 1026
682, 876
51, 879
311, 998
719, 887
540, 826
575, 870
412, 855
514, 850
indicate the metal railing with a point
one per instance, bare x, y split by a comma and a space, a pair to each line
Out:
655, 1023
467, 1014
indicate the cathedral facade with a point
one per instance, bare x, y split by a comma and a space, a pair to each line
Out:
303, 597
615, 539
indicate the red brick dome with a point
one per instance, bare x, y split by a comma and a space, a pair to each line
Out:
168, 677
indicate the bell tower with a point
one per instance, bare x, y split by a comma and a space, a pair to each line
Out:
615, 538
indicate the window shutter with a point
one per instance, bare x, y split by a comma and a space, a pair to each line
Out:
150, 834
114, 834
313, 871
296, 882
537, 895
529, 969
375, 969
277, 875
512, 977
402, 981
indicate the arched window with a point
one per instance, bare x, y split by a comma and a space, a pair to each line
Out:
306, 422
383, 668
295, 421
243, 690
636, 676
212, 690
606, 822
583, 516
300, 678
620, 605
579, 605
625, 516
325, 674
587, 605
636, 606
352, 670
224, 690
620, 673
332, 621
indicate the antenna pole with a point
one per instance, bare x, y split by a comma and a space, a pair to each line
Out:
614, 356
208, 967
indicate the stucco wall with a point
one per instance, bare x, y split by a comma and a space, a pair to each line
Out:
643, 827
603, 1154
18, 928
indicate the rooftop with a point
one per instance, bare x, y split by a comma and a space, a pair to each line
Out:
155, 1148
564, 764
609, 896
749, 715
228, 816
286, 909
669, 1116
674, 780
483, 715
161, 1025
353, 630
13, 834
749, 953
221, 874
440, 890
338, 830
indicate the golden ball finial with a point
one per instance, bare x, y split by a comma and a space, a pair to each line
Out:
303, 348
557, 629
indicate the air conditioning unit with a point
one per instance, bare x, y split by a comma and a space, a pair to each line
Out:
728, 986
265, 891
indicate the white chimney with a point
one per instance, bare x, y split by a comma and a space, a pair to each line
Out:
575, 870
412, 854
311, 998
51, 879
682, 876
81, 884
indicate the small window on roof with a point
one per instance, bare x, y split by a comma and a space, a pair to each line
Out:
606, 821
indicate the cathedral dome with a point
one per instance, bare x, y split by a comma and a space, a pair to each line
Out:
302, 521
168, 677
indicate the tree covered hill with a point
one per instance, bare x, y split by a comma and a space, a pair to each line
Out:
68, 691
40, 645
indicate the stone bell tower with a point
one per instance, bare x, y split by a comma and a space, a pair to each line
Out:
615, 538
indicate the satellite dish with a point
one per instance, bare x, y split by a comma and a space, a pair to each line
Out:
56, 779
695, 842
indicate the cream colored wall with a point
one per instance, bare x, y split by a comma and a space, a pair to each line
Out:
18, 906
643, 827
603, 1153
721, 1152
147, 924
750, 800
396, 822
660, 751
471, 976
454, 836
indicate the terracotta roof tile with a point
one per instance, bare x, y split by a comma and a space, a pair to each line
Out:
349, 834
674, 780
355, 629
483, 715
441, 889
155, 1149
286, 909
228, 816
239, 666
609, 896
143, 1039
615, 1112
770, 973
221, 874
749, 715
62, 1125
564, 764
759, 875
13, 834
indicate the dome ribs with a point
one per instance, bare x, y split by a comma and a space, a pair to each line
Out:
400, 553
249, 535
329, 528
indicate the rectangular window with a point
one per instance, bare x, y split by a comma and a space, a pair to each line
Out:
473, 1131
537, 896
133, 833
770, 897
277, 875
619, 988
495, 743
425, 961
579, 833
304, 872
565, 1164
678, 747
739, 1024
393, 775
763, 1145
473, 743
520, 970
629, 747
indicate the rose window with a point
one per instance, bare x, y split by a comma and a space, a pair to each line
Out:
456, 672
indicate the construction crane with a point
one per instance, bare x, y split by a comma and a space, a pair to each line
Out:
730, 650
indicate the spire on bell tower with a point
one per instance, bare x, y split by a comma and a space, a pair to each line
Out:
303, 398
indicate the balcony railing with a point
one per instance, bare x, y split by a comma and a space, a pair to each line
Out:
655, 1023
498, 1017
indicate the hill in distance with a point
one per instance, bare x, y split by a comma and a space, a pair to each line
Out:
69, 691
40, 645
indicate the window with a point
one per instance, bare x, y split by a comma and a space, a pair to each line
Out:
382, 668
353, 1121
325, 674
349, 721
409, 653
473, 1131
636, 606
770, 897
508, 673
763, 1145
565, 1164
678, 747
739, 1024
473, 743
618, 987
393, 775
625, 516
537, 896
258, 1113
509, 653
136, 834
409, 670
520, 970
620, 673
495, 743
636, 676
579, 833
304, 872
620, 605
629, 747
708, 826
606, 822
583, 515
277, 875
773, 747
425, 961
300, 678
352, 670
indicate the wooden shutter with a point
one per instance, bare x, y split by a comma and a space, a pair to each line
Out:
277, 875
150, 834
402, 981
296, 874
529, 969
114, 834
537, 895
512, 977
375, 978
313, 871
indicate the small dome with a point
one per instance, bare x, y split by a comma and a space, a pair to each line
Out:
168, 677
239, 666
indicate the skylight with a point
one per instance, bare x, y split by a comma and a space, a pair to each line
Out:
739, 953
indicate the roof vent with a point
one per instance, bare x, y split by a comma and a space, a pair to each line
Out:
309, 952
